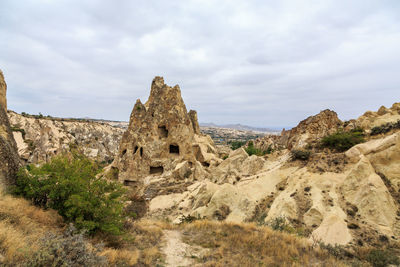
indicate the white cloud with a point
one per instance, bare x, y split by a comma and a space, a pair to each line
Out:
264, 63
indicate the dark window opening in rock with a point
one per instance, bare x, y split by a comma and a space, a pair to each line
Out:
190, 164
162, 131
123, 152
205, 164
134, 150
174, 149
141, 151
156, 170
129, 183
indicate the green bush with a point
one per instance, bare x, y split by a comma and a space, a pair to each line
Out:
251, 150
300, 154
342, 141
69, 185
385, 128
382, 258
236, 144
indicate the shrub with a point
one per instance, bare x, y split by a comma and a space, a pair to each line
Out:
300, 154
251, 150
69, 185
342, 141
385, 128
236, 144
382, 258
70, 249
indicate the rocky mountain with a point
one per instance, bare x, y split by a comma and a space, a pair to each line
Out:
40, 138
348, 198
9, 160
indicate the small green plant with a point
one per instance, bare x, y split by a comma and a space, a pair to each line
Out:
382, 258
251, 150
236, 144
16, 128
298, 154
68, 184
342, 141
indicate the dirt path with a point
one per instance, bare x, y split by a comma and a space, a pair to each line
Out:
175, 250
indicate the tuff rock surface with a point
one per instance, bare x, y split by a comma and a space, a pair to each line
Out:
163, 144
39, 139
9, 160
3, 91
338, 198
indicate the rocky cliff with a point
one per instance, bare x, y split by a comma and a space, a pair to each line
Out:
163, 141
346, 198
3, 91
9, 160
39, 139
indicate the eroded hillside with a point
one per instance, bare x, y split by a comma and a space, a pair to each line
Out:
39, 139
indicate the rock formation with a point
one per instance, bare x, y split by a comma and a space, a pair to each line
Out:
9, 160
308, 131
354, 201
381, 117
39, 139
163, 139
3, 91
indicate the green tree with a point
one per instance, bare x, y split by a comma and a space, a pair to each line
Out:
68, 184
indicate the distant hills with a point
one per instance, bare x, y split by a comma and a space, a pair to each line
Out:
242, 127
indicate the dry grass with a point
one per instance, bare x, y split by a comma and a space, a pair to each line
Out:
249, 245
21, 226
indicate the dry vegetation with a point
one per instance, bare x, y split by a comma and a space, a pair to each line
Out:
23, 226
250, 245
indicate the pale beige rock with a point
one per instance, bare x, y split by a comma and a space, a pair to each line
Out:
163, 140
333, 230
383, 116
366, 190
46, 137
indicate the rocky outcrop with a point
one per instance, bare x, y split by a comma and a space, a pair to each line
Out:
3, 91
9, 160
39, 139
351, 204
163, 140
312, 128
381, 117
307, 132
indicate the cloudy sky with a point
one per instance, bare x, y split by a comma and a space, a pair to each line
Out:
260, 63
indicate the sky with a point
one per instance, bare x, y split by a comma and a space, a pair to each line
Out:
260, 63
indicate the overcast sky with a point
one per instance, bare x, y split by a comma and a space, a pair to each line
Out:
260, 63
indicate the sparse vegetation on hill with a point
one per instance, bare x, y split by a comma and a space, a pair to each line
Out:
342, 141
252, 150
243, 244
385, 128
299, 154
69, 185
